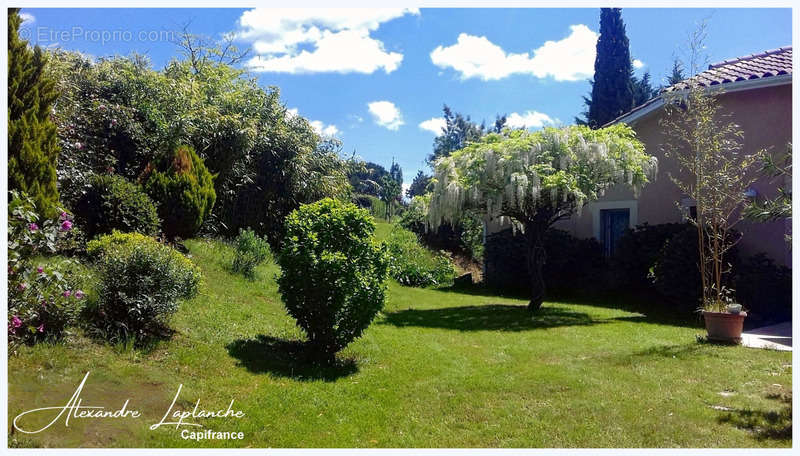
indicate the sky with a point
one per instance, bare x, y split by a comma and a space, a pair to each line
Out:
377, 79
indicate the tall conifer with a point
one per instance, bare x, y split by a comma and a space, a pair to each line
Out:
612, 88
32, 141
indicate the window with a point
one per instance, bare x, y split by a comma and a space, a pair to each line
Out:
613, 223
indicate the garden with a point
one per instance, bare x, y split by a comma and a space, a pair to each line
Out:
182, 230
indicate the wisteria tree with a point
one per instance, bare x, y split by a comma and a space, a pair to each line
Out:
534, 179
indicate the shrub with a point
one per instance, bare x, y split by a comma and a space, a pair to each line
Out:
111, 202
764, 289
184, 190
675, 272
637, 251
333, 273
412, 264
251, 250
140, 284
41, 298
373, 204
572, 264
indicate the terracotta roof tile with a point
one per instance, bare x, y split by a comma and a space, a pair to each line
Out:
755, 66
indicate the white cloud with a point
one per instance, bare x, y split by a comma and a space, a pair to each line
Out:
433, 125
637, 63
307, 40
386, 114
320, 127
529, 119
27, 18
569, 59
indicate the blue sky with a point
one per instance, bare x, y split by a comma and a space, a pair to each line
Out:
373, 77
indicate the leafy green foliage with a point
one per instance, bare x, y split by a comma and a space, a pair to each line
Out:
373, 204
419, 186
413, 265
140, 284
675, 271
119, 114
764, 288
639, 249
32, 142
111, 202
42, 298
458, 132
333, 273
251, 251
779, 207
184, 190
573, 265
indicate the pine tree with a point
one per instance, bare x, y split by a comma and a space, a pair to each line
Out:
612, 89
419, 185
32, 140
677, 73
642, 90
396, 172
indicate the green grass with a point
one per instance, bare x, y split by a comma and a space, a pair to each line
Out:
437, 368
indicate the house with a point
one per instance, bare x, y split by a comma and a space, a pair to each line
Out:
756, 90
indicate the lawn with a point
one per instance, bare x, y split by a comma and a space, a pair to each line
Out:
438, 368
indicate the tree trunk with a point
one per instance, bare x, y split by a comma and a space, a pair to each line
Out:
536, 255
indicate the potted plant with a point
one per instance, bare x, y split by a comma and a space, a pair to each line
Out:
725, 325
715, 174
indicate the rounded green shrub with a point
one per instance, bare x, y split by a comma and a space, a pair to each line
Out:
333, 273
184, 189
140, 284
111, 202
413, 265
251, 250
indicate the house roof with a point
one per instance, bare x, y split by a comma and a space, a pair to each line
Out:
755, 66
742, 73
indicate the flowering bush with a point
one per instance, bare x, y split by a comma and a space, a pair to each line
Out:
42, 298
141, 282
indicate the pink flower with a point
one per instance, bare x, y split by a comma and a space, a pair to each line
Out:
79, 294
79, 146
40, 328
22, 286
40, 269
33, 226
66, 225
67, 293
63, 215
113, 122
16, 322
102, 107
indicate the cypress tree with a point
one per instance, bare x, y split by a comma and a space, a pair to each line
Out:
32, 140
612, 89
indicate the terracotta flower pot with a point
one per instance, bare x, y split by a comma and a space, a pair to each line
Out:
724, 327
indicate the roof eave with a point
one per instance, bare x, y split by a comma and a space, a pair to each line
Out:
729, 87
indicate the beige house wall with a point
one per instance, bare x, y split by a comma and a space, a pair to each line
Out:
765, 116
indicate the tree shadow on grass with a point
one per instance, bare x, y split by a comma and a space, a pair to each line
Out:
764, 424
491, 317
287, 358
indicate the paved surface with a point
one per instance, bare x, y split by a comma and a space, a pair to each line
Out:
775, 337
